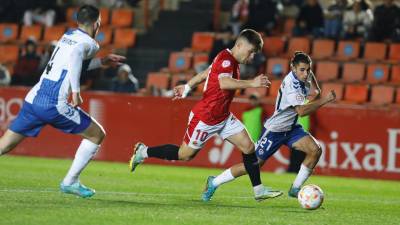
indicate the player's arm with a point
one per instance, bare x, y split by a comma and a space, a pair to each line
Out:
109, 60
312, 106
75, 67
316, 87
229, 83
181, 91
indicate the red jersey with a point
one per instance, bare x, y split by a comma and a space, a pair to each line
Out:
213, 108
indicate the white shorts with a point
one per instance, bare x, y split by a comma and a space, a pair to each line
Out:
198, 132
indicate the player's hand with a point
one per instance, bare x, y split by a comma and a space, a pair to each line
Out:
76, 99
261, 81
178, 91
331, 96
112, 60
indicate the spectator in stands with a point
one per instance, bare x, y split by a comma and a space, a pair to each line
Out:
386, 23
26, 70
310, 20
239, 16
333, 18
263, 15
356, 22
42, 12
125, 82
5, 77
46, 55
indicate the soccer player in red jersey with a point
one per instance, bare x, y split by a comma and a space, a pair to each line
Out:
211, 115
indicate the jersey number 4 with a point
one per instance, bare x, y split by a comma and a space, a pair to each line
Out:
50, 63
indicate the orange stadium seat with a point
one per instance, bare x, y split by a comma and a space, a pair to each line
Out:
356, 93
105, 16
348, 50
8, 32
394, 52
202, 41
382, 94
179, 77
273, 46
104, 51
397, 101
374, 51
179, 61
277, 67
9, 53
353, 72
31, 31
53, 33
261, 92
327, 70
121, 17
395, 74
323, 48
274, 88
337, 87
104, 35
70, 16
157, 80
298, 44
377, 73
124, 37
200, 58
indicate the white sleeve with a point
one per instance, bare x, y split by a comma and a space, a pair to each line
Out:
94, 64
75, 66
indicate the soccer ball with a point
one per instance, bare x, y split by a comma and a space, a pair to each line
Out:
310, 196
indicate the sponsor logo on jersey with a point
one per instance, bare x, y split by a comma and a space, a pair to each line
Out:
226, 63
299, 98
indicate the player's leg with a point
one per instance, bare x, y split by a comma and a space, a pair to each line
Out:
9, 140
311, 148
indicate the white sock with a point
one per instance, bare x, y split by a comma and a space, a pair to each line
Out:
224, 177
258, 189
302, 176
83, 155
144, 153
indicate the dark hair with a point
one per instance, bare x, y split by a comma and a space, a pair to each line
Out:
253, 38
300, 57
87, 14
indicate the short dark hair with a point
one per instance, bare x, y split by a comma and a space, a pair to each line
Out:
87, 14
253, 37
300, 57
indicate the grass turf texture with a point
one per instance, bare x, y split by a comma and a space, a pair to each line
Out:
171, 195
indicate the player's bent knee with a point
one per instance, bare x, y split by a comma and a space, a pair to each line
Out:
316, 152
248, 148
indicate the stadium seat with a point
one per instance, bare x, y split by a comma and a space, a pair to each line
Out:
71, 15
289, 24
104, 35
261, 92
273, 46
124, 37
397, 101
121, 17
377, 73
103, 51
278, 67
179, 77
8, 32
53, 33
199, 89
105, 16
157, 80
274, 88
298, 44
323, 48
179, 61
200, 58
31, 31
202, 41
394, 52
395, 74
374, 51
327, 70
353, 72
382, 94
9, 53
337, 87
348, 50
356, 93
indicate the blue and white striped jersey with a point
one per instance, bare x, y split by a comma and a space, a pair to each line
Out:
292, 92
71, 56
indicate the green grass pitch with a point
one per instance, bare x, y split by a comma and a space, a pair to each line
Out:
171, 195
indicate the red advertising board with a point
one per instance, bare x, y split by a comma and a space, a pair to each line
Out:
357, 141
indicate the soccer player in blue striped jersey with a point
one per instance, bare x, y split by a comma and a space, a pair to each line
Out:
47, 102
282, 128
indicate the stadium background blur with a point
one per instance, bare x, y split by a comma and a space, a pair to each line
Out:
166, 41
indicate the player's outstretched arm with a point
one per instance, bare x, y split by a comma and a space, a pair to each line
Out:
109, 60
228, 83
315, 85
304, 110
181, 91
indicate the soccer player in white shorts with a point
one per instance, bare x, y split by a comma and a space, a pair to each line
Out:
211, 115
282, 127
47, 102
